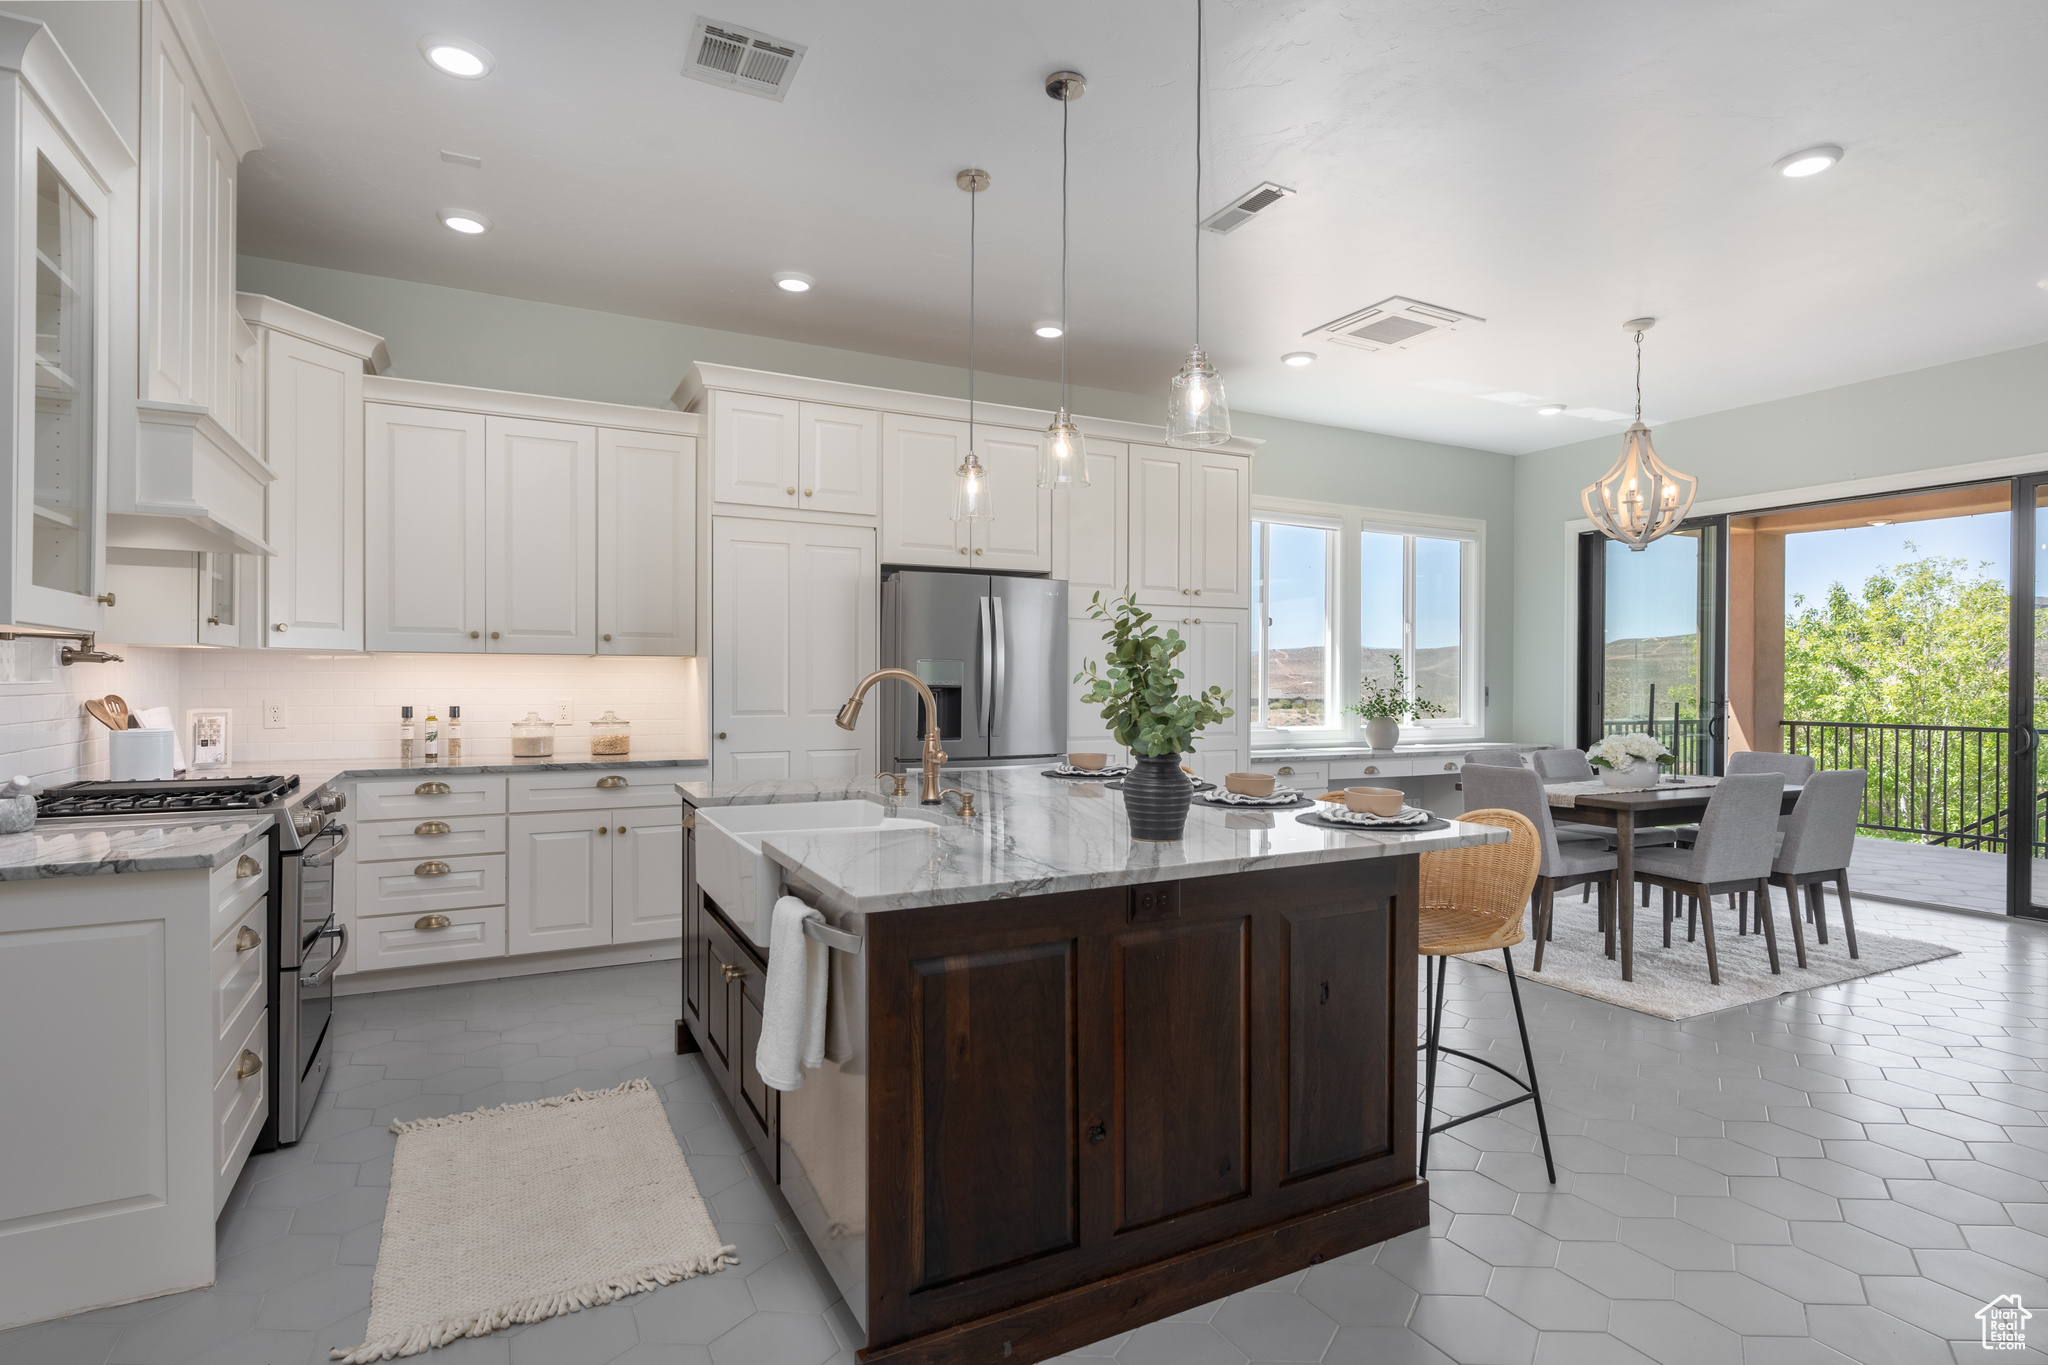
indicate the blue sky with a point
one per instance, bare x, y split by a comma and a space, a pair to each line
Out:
1652, 592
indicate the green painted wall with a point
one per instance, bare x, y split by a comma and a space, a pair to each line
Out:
456, 336
1990, 408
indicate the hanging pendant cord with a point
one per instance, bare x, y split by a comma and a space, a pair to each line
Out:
1639, 376
1198, 174
1066, 105
973, 198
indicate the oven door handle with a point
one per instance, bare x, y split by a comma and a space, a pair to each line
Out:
323, 859
326, 974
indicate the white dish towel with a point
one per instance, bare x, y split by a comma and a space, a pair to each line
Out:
793, 1012
159, 718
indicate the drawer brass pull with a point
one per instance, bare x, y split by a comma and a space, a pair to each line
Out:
1287, 771
434, 869
1450, 767
731, 972
1370, 771
427, 829
245, 866
613, 781
246, 939
432, 789
426, 922
247, 1065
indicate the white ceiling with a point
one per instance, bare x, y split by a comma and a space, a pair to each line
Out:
1555, 166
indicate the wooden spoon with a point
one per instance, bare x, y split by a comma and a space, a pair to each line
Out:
118, 709
100, 712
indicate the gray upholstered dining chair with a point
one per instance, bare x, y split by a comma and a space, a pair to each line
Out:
1570, 765
1565, 862
1795, 768
1815, 849
1737, 841
1494, 758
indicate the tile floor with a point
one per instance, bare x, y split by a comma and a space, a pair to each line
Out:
1843, 1174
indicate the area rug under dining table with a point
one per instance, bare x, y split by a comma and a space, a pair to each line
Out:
1671, 983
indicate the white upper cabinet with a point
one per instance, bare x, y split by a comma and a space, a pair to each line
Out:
424, 529
58, 218
1190, 527
646, 543
842, 465
1018, 538
756, 450
919, 455
1091, 540
779, 452
312, 422
540, 588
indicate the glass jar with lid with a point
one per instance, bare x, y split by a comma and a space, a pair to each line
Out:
533, 737
609, 737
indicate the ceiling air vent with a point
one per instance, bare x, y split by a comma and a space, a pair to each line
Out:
1392, 324
742, 59
1240, 210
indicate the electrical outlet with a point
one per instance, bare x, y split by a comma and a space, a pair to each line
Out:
273, 715
562, 714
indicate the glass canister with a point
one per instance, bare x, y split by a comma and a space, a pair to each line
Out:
609, 736
533, 737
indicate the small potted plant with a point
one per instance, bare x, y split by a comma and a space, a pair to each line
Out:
1628, 762
1138, 690
1386, 705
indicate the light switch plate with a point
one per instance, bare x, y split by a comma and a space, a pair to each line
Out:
273, 715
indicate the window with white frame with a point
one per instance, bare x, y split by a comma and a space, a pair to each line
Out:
1344, 593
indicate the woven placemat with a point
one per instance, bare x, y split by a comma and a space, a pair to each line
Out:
1316, 818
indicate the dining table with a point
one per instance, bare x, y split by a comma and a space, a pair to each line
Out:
1675, 800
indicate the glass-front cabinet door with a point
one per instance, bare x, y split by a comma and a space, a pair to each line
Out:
220, 599
58, 556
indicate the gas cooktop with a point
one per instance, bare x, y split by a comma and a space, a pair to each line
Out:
196, 796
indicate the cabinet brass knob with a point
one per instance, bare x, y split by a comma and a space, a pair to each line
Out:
1198, 592
427, 922
790, 489
607, 639
604, 829
213, 620
977, 549
494, 635
1185, 592
622, 829
280, 627
1198, 620
428, 829
614, 780
807, 492
731, 972
1097, 1131
433, 869
963, 549
475, 634
247, 1065
246, 939
432, 789
721, 734
690, 820
245, 866
105, 599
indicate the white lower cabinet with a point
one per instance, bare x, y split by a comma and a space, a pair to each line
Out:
647, 874
241, 1102
385, 941
560, 880
795, 625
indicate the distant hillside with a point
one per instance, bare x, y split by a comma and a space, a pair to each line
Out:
1296, 681
1670, 663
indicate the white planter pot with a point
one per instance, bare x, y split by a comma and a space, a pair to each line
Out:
1636, 776
1383, 734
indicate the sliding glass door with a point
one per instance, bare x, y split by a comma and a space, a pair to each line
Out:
2026, 828
1653, 642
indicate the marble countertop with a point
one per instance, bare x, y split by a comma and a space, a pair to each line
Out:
1037, 836
1311, 753
99, 849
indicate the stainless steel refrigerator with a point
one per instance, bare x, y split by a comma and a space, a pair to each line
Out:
993, 650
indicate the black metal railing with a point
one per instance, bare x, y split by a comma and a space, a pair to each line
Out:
1685, 736
1938, 784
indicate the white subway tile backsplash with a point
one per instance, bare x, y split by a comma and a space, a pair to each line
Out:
45, 733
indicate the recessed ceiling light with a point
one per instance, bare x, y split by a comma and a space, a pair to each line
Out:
794, 281
1298, 358
2041, 284
1550, 410
456, 56
1049, 330
466, 221
1812, 161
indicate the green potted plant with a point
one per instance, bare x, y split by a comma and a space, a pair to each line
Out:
1138, 689
1386, 705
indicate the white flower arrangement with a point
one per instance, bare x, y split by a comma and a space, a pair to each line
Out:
1619, 751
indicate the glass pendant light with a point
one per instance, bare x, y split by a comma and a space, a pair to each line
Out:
1641, 498
1196, 414
970, 480
1062, 460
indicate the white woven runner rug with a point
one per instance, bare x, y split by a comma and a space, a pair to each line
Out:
516, 1214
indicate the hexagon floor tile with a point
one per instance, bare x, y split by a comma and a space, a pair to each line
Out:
1841, 1174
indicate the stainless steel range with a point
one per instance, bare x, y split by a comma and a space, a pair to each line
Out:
304, 943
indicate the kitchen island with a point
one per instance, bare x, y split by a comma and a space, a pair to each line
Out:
1075, 1083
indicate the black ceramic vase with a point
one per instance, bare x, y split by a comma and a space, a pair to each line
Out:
1156, 797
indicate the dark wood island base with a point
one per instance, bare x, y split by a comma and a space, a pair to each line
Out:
1087, 1111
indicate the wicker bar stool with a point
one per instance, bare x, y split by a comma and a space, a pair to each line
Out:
1472, 901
